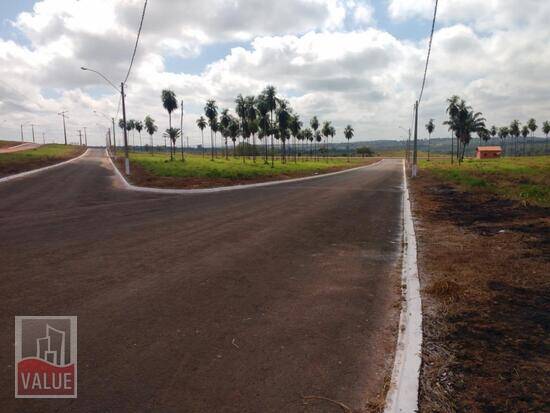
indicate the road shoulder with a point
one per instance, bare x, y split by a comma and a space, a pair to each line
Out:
483, 267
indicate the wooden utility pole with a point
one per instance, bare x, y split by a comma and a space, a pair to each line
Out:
126, 159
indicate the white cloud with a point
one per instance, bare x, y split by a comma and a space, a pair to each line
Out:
363, 76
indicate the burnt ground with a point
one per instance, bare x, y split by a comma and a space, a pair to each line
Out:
16, 166
485, 265
141, 177
237, 301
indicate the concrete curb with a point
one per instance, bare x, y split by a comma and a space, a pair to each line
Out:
35, 171
404, 386
131, 187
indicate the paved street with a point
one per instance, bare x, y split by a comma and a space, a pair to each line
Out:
238, 301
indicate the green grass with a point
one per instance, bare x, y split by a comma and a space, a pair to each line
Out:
198, 167
45, 151
523, 178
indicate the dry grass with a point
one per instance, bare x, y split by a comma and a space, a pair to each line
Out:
484, 274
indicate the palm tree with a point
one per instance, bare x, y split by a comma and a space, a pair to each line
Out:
139, 127
493, 131
515, 131
225, 120
430, 127
308, 137
252, 122
348, 134
503, 134
173, 134
270, 96
151, 128
233, 129
170, 103
314, 123
318, 140
264, 124
283, 124
201, 123
295, 129
452, 111
546, 130
241, 111
326, 131
532, 125
211, 112
130, 126
524, 134
463, 121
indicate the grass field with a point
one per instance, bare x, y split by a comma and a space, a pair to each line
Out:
523, 178
9, 144
11, 163
195, 166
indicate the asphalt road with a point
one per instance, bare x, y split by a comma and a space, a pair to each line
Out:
239, 301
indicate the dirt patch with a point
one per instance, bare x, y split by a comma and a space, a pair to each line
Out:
16, 166
141, 177
486, 295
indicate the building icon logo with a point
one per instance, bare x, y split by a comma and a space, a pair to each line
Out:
45, 357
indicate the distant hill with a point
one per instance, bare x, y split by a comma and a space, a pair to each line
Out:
437, 145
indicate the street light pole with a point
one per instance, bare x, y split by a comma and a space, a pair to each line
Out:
85, 137
114, 137
80, 136
62, 114
121, 91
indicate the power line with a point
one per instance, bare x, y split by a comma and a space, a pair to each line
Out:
429, 52
137, 41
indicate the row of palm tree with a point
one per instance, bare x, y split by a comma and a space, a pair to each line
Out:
515, 130
268, 118
464, 121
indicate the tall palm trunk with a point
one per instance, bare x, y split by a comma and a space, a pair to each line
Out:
266, 154
429, 138
254, 147
202, 141
212, 144
348, 150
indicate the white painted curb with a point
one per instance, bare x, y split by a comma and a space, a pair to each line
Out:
131, 187
404, 386
35, 171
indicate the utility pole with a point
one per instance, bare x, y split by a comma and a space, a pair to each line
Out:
181, 131
80, 136
415, 147
62, 114
114, 137
32, 127
85, 137
21, 132
126, 160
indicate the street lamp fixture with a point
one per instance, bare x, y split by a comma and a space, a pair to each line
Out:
121, 91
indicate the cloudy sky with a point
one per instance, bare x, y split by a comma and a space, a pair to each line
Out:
349, 61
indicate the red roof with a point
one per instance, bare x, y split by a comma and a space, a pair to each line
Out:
489, 148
